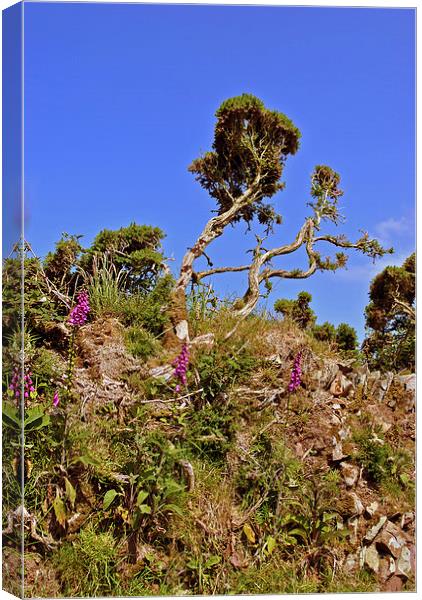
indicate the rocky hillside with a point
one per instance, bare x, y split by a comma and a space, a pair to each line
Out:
233, 483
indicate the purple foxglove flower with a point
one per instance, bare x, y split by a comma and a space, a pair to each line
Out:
56, 399
79, 313
295, 379
181, 364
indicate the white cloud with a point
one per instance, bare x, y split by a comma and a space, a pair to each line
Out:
390, 229
366, 272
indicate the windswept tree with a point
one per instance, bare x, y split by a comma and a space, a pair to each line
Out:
242, 172
390, 318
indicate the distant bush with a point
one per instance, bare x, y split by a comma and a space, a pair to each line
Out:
298, 310
346, 338
390, 318
325, 332
136, 250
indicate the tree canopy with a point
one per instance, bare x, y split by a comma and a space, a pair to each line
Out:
251, 144
390, 317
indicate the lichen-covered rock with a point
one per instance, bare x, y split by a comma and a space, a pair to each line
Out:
404, 567
373, 532
391, 539
341, 386
350, 474
371, 558
378, 386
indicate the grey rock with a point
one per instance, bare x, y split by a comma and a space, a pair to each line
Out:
344, 433
182, 330
391, 539
407, 520
372, 508
408, 381
404, 563
341, 386
326, 374
351, 564
350, 473
360, 375
372, 559
409, 384
374, 531
338, 453
165, 372
335, 420
357, 503
387, 567
380, 386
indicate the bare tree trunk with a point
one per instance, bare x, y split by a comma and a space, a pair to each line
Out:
179, 330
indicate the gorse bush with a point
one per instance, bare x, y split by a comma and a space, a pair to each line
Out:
298, 310
135, 250
390, 318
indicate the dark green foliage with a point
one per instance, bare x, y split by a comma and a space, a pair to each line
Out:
390, 318
251, 144
40, 307
325, 185
325, 332
212, 428
298, 310
149, 310
311, 517
219, 371
60, 265
383, 465
135, 249
140, 342
346, 338
269, 468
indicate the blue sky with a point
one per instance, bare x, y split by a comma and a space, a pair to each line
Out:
119, 99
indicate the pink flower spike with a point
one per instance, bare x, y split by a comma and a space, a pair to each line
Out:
56, 399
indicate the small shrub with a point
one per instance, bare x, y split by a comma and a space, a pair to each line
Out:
87, 567
149, 311
212, 430
219, 371
105, 287
141, 343
383, 465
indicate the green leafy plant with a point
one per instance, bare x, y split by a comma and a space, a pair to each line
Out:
219, 370
87, 566
141, 343
35, 418
381, 462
